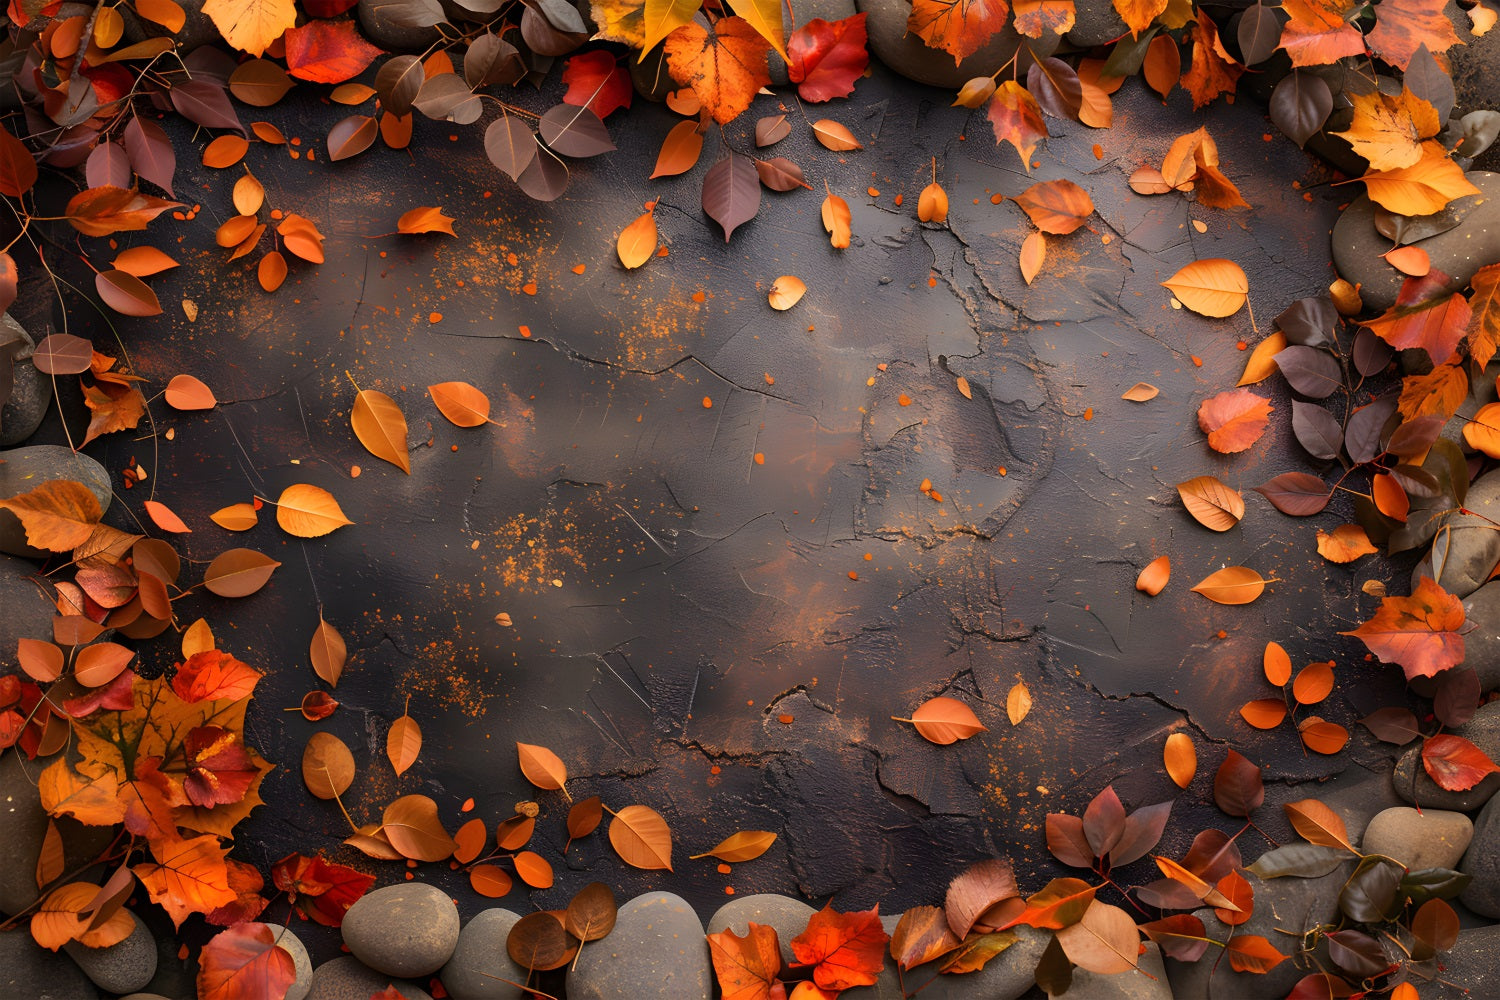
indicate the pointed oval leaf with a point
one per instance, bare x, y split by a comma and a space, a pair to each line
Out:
403, 744
1211, 503
943, 720
747, 845
1153, 579
412, 826
238, 572
642, 838
680, 150
510, 145
461, 403
380, 426
1232, 585
309, 511
637, 242
1181, 759
542, 767
731, 193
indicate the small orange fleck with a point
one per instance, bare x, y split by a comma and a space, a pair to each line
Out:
1223, 634
1307, 196
525, 331
1098, 151
881, 367
354, 471
760, 458
579, 268
1267, 137
1002, 470
786, 720
296, 141
311, 154
512, 259
716, 769
1088, 414
468, 806
936, 496
926, 485
382, 255
453, 447
869, 556
724, 869
698, 296
661, 251
899, 200
708, 403
529, 288
1240, 345
179, 216
976, 201
853, 575
182, 953
903, 400
768, 378
932, 281
1196, 360
996, 198
729, 890
296, 155
409, 876
434, 317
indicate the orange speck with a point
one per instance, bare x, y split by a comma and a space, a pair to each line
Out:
1307, 197
453, 447
529, 288
976, 201
182, 953
932, 281
873, 192
179, 216
296, 141
661, 251
1196, 360
468, 806
579, 268
716, 769
1240, 345
649, 206
354, 471
853, 575
698, 296
525, 331
768, 378
903, 400
1088, 414
881, 367
1098, 151
296, 155
760, 458
512, 259
729, 890
899, 200
1266, 137
926, 485
382, 255
409, 876
936, 496
434, 317
311, 154
786, 720
869, 556
996, 198
724, 869
708, 403
1223, 634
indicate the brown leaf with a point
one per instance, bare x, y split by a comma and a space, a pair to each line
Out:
1212, 504
538, 941
328, 652
327, 766
679, 151
403, 743
591, 912
543, 768
747, 845
642, 838
411, 824
1105, 941
59, 515
584, 817
920, 936
975, 891
1018, 703
1033, 255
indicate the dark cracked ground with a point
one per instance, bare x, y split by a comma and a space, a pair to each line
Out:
689, 632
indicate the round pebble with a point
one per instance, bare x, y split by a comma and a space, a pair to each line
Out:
403, 930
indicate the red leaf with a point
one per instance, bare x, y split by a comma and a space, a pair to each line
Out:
244, 963
1213, 71
1403, 26
958, 27
598, 82
328, 51
327, 8
1234, 419
17, 168
1455, 763
1016, 119
824, 58
1425, 315
219, 769
1420, 632
845, 949
322, 891
216, 676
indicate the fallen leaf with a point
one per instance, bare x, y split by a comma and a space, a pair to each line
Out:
943, 720
1212, 286
185, 392
642, 838
747, 967
834, 136
1033, 255
1141, 392
412, 826
461, 403
1057, 207
1211, 503
327, 766
309, 511
251, 25
1153, 578
380, 426
787, 291
1344, 544
1181, 759
1234, 419
1455, 763
845, 950
637, 242
425, 220
746, 845
724, 63
836, 220
1422, 633
1018, 702
403, 743
543, 768
1232, 585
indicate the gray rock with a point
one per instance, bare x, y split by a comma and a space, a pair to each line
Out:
23, 824
480, 961
807, 10
1412, 783
1148, 984
403, 930
787, 915
1005, 977
303, 965
376, 24
120, 968
24, 469
656, 949
1459, 252
31, 971
1096, 22
31, 391
1482, 863
1476, 67
28, 612
909, 55
1357, 795
176, 978
1432, 838
1482, 644
348, 979
1473, 546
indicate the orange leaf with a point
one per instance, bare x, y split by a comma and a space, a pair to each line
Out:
725, 64
1033, 255
834, 136
59, 515
1105, 940
1439, 392
236, 517
425, 220
143, 261
642, 838
786, 291
1425, 315
747, 967
88, 799
105, 210
1181, 759
1389, 131
1322, 737
1262, 361
114, 407
1154, 577
1420, 632
1264, 713
490, 880
1276, 664
309, 511
943, 720
326, 51
1482, 433
1313, 683
187, 877
932, 204
1403, 26
1232, 585
1318, 34
380, 426
1211, 503
1425, 187
238, 572
679, 150
185, 392
59, 919
1317, 823
836, 221
1455, 763
1234, 420
244, 963
958, 27
162, 516
1253, 953
403, 743
251, 25
1057, 207
1017, 119
1039, 18
461, 403
747, 845
1484, 324
1060, 903
213, 675
1138, 14
412, 826
1213, 71
1344, 544
921, 935
637, 241
1212, 286
543, 768
845, 949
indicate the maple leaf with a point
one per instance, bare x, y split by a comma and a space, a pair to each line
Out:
1403, 26
1017, 119
1138, 14
1425, 187
1484, 321
247, 883
1438, 392
1319, 33
150, 800
214, 675
958, 27
188, 876
1388, 131
597, 81
824, 58
251, 25
323, 892
844, 949
328, 51
747, 966
115, 408
219, 769
1420, 632
1213, 70
1425, 315
91, 798
621, 21
1038, 18
244, 963
58, 515
725, 64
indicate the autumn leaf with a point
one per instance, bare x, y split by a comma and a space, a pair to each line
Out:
328, 652
1389, 131
1033, 255
943, 720
1181, 759
845, 949
187, 876
219, 770
1403, 26
1437, 393
403, 743
1138, 14
1059, 904
1234, 419
1344, 544
747, 967
326, 51
1105, 940
1018, 703
725, 64
1424, 187
461, 403
251, 25
1455, 763
1422, 632
60, 919
1057, 207
1211, 503
1253, 953
380, 426
185, 392
106, 210
1153, 579
243, 962
1212, 286
641, 837
786, 291
543, 768
637, 241
412, 826
309, 511
1016, 119
825, 58
425, 220
922, 935
1232, 585
747, 845
1426, 315
598, 81
58, 516
1319, 32
1484, 306
836, 220
960, 27
214, 675
1213, 71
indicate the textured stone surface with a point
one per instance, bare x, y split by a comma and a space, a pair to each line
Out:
1459, 252
294, 947
1095, 22
1473, 544
1412, 783
480, 961
22, 826
24, 469
28, 613
1468, 971
403, 930
910, 56
656, 949
1150, 983
120, 968
348, 979
1482, 863
30, 392
1482, 642
1432, 838
787, 915
30, 971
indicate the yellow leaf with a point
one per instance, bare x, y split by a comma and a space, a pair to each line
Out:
1425, 187
251, 25
836, 220
786, 292
765, 17
1212, 286
662, 17
381, 427
637, 242
309, 511
1388, 131
1018, 703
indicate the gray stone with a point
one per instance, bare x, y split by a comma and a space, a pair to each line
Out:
300, 962
656, 949
1005, 977
1476, 67
403, 930
1459, 252
1473, 546
1150, 983
1482, 643
28, 970
23, 824
787, 915
197, 29
1482, 863
24, 469
348, 979
1432, 838
1096, 22
1468, 971
480, 962
120, 968
1412, 783
31, 391
1357, 795
807, 10
377, 26
28, 612
176, 978
909, 56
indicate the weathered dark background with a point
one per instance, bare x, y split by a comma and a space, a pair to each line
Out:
674, 601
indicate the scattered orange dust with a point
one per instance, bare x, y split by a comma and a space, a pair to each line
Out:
512, 259
869, 556
529, 288
579, 268
1088, 414
996, 198
1241, 345
873, 192
708, 403
661, 251
1098, 151
354, 471
468, 806
760, 458
1002, 470
724, 869
899, 199
434, 317
903, 400
768, 378
1196, 360
786, 720
698, 296
525, 331
853, 575
1307, 197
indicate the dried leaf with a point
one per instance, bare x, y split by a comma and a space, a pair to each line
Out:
1057, 207
238, 573
412, 826
786, 292
943, 720
461, 403
642, 838
1153, 579
380, 426
834, 136
425, 220
836, 221
845, 950
1212, 286
403, 743
543, 768
1234, 419
1018, 702
1181, 759
1033, 255
309, 511
1422, 633
236, 517
1232, 585
327, 766
747, 845
637, 242
1211, 503
1141, 392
